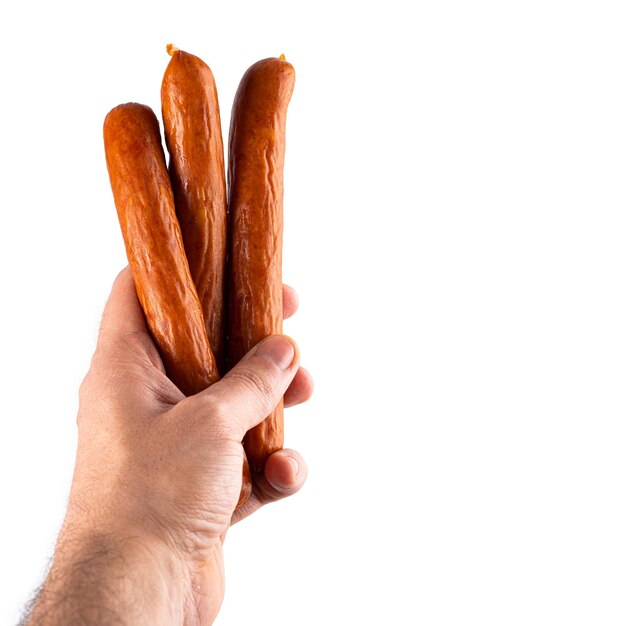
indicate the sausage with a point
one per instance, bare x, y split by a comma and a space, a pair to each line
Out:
145, 205
142, 193
197, 171
255, 182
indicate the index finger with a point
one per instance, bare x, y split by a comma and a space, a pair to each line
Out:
290, 301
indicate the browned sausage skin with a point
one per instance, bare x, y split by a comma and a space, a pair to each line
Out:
255, 181
193, 135
144, 201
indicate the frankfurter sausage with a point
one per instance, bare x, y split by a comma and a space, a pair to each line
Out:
197, 171
255, 181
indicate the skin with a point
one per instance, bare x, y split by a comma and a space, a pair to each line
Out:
157, 477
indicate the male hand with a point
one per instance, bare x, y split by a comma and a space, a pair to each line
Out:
158, 475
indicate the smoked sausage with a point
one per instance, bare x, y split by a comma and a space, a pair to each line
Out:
255, 182
144, 201
194, 140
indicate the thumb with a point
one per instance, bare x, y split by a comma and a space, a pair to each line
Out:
250, 391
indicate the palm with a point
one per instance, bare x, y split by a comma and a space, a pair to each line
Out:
149, 393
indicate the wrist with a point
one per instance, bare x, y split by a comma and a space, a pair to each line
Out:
116, 578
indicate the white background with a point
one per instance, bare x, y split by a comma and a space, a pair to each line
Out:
451, 228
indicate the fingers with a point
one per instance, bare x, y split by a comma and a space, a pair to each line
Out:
123, 315
300, 389
248, 393
284, 475
290, 301
123, 328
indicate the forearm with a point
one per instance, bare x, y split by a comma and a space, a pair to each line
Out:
107, 579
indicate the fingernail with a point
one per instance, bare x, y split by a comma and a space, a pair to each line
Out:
278, 349
295, 464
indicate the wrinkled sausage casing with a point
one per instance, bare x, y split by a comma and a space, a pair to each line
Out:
192, 125
144, 201
256, 156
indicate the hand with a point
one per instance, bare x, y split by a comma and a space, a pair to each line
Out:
162, 472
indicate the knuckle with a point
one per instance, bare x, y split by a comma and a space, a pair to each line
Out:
221, 431
85, 394
258, 385
220, 426
84, 388
214, 421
